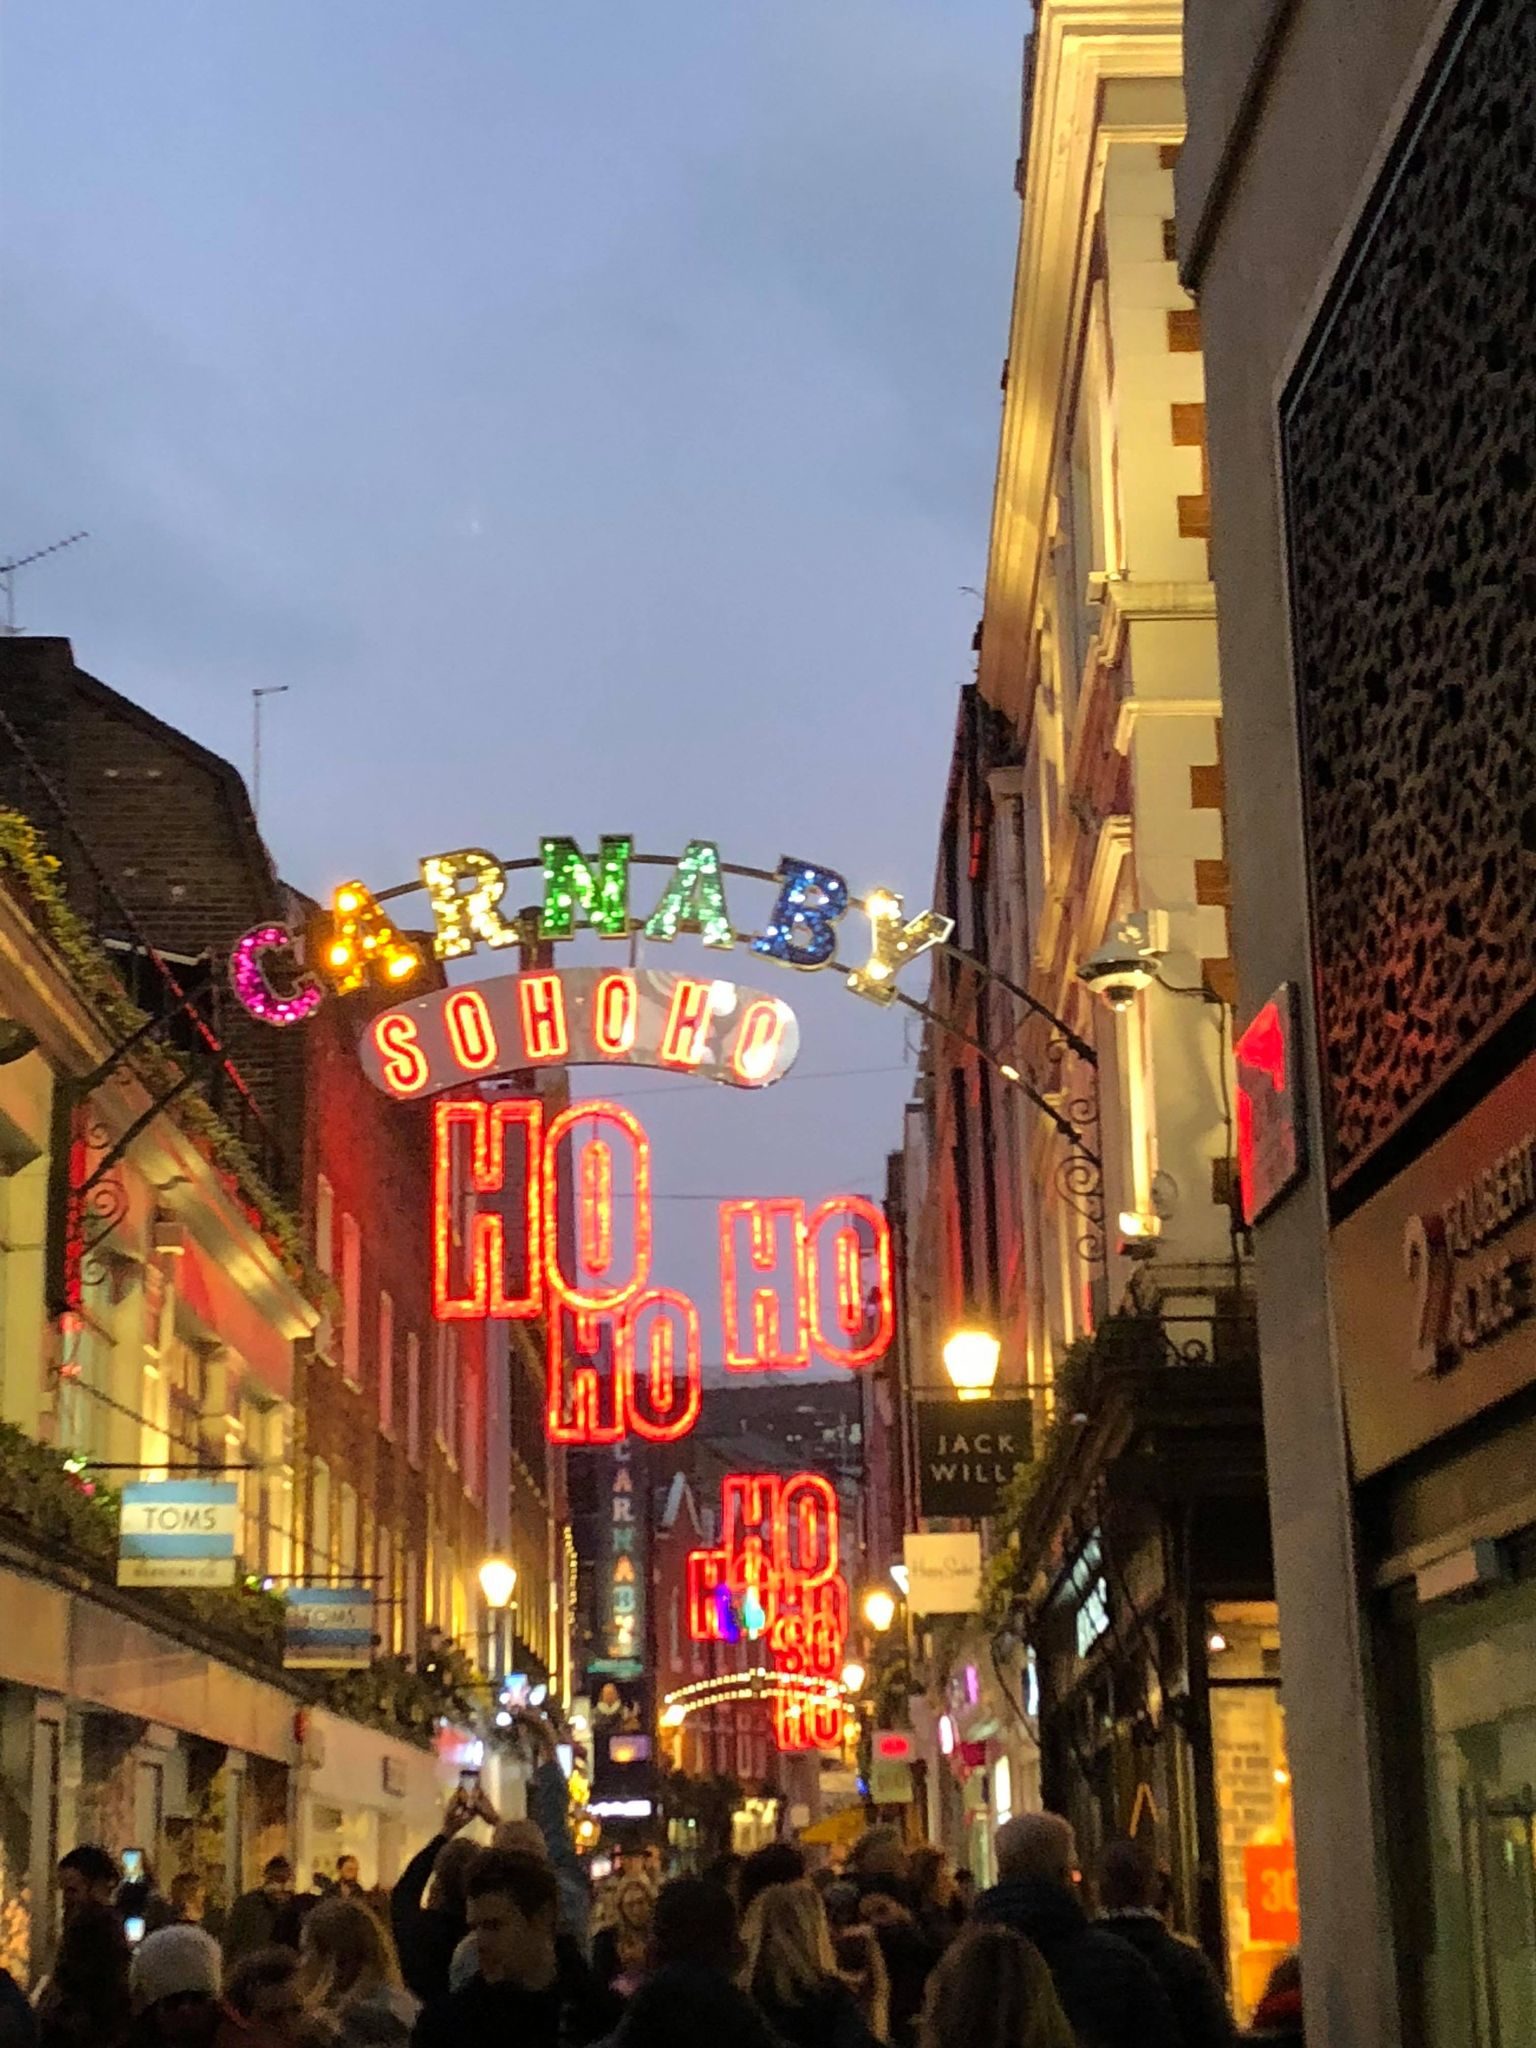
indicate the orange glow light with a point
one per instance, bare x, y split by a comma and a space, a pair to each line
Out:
865, 1320
596, 1205
686, 1038
545, 1036
662, 1402
363, 941
471, 1034
575, 1347
573, 1291
405, 1064
482, 1251
779, 1340
615, 1015
758, 1038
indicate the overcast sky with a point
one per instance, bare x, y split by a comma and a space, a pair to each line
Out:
587, 410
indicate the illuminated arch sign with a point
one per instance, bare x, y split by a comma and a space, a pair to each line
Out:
361, 945
580, 1016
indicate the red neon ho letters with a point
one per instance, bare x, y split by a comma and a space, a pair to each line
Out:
469, 1240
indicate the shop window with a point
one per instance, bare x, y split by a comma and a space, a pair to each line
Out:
351, 1301
1253, 1795
320, 1519
347, 1531
386, 1363
413, 1397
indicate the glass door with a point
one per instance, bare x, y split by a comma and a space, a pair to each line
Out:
1499, 1855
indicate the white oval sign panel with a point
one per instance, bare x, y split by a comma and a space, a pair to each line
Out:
580, 1016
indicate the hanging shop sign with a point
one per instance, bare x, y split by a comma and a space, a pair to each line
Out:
1269, 1887
943, 1573
624, 1595
327, 1628
969, 1453
776, 1575
178, 1532
533, 1219
1271, 1125
580, 1016
358, 944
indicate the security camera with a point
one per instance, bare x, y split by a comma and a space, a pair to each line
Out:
1127, 960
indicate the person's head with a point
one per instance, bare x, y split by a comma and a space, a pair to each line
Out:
450, 1875
512, 1903
349, 1872
1127, 1878
521, 1837
880, 1853
932, 1879
788, 1943
695, 1922
725, 1873
88, 1876
277, 1879
993, 1990
174, 1982
263, 1989
774, 1863
841, 1900
1285, 1977
965, 1887
345, 1954
92, 1965
634, 1912
189, 1896
1037, 1845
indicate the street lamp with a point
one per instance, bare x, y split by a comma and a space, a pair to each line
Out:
879, 1609
498, 1582
970, 1359
853, 1675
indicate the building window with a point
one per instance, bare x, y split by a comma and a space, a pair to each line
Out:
325, 1225
387, 1615
346, 1545
351, 1301
410, 1606
447, 1391
320, 1519
413, 1397
386, 1363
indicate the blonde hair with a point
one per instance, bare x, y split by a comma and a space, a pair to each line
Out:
993, 1990
345, 1954
788, 1944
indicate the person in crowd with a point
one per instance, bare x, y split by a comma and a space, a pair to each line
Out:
933, 1893
253, 1918
18, 2022
881, 1872
1128, 1893
622, 1944
880, 1863
774, 1863
88, 1876
965, 1896
993, 1990
791, 1971
349, 1878
427, 1934
84, 2004
350, 1973
528, 1991
262, 2004
691, 1998
725, 1873
1110, 1994
549, 1800
188, 1901
174, 1985
1277, 2016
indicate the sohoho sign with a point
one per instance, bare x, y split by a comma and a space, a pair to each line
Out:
968, 1452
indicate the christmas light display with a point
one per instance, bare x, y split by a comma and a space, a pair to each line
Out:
844, 1249
580, 1016
590, 1288
694, 899
772, 1335
892, 944
857, 1235
465, 918
363, 942
802, 925
574, 894
253, 985
660, 1365
469, 1236
779, 1555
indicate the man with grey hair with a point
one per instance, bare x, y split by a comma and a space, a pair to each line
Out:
1108, 1992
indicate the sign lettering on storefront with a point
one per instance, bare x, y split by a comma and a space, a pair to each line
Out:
970, 1452
178, 1532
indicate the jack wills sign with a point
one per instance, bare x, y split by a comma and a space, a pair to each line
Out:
968, 1451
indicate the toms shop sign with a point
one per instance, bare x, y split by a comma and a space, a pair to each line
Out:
969, 1452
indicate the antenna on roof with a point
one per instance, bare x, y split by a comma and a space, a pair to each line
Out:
8, 577
268, 690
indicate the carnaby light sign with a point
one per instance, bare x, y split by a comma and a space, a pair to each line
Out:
359, 943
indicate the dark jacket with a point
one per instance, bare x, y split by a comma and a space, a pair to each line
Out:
18, 2022
1108, 1992
425, 1936
566, 2015
1278, 2020
688, 2005
829, 2018
1193, 1988
909, 1953
252, 1924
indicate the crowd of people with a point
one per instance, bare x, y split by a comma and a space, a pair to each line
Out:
503, 1945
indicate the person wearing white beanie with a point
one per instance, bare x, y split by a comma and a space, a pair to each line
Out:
174, 1980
